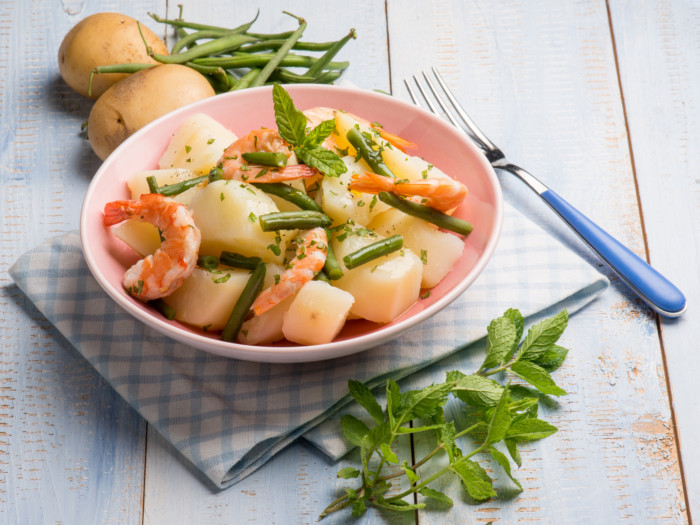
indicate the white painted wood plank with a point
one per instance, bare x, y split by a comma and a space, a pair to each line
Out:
540, 78
659, 56
71, 451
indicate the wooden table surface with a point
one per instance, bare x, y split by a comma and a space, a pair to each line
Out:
601, 99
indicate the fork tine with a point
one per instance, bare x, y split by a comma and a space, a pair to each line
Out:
427, 100
440, 101
473, 128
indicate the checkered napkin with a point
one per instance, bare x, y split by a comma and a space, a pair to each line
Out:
228, 417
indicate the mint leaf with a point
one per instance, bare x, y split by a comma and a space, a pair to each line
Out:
410, 474
543, 335
529, 430
537, 377
436, 495
552, 358
388, 454
291, 122
348, 473
393, 400
474, 479
398, 504
475, 390
354, 430
500, 420
519, 323
500, 340
322, 159
320, 133
358, 508
447, 438
502, 460
365, 398
424, 403
512, 447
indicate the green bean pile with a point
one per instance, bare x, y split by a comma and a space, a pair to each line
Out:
233, 59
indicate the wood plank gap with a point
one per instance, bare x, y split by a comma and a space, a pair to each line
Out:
659, 329
388, 60
416, 517
145, 468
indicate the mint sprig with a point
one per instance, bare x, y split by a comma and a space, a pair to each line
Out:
496, 413
291, 124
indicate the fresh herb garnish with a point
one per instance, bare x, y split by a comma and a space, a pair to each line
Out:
496, 412
291, 124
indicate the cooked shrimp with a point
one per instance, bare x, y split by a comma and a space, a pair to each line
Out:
161, 273
315, 116
263, 139
309, 260
441, 193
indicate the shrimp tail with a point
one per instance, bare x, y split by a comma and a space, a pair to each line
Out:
369, 182
396, 141
117, 211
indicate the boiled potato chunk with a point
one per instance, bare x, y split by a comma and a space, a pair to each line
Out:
141, 236
227, 212
317, 314
410, 167
266, 328
438, 250
343, 122
197, 145
383, 288
206, 299
342, 204
138, 185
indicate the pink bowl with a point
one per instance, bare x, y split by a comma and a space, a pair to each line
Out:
438, 142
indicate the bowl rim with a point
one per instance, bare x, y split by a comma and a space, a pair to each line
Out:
298, 353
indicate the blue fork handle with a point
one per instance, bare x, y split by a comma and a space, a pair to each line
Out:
650, 285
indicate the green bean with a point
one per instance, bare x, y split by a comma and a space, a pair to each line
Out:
287, 77
174, 189
290, 194
293, 220
132, 67
364, 147
266, 158
260, 59
318, 67
245, 301
187, 40
216, 76
190, 25
272, 36
224, 44
322, 276
262, 77
442, 220
331, 266
164, 308
373, 251
246, 79
215, 174
265, 45
236, 260
208, 262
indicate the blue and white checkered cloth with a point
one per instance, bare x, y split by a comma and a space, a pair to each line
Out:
228, 417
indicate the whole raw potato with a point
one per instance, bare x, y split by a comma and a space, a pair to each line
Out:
140, 98
103, 39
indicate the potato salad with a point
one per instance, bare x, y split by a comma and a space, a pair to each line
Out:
288, 233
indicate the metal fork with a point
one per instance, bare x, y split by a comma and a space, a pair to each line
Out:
652, 287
